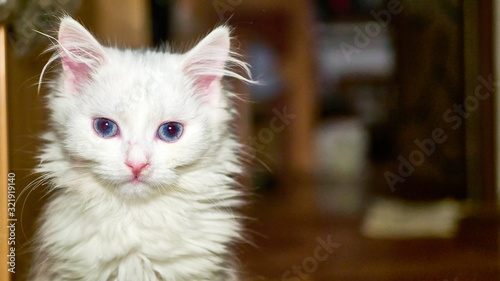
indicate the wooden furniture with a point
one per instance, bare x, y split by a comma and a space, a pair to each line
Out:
480, 127
292, 37
115, 22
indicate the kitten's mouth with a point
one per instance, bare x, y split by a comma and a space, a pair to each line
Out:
136, 180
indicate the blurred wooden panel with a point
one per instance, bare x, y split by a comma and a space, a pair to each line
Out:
480, 127
286, 26
26, 120
114, 22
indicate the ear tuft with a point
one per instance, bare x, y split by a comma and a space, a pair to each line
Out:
79, 51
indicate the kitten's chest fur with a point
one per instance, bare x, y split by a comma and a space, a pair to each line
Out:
164, 240
177, 235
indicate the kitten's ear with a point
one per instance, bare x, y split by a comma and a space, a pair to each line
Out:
79, 51
205, 63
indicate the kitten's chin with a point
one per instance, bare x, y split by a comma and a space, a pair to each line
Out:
135, 189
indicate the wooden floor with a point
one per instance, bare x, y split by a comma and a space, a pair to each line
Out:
290, 247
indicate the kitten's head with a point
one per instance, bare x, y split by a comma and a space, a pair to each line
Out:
135, 120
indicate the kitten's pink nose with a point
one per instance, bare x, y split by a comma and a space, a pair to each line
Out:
137, 167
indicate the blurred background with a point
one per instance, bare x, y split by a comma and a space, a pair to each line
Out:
370, 141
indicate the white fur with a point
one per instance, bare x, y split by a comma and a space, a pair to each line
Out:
178, 224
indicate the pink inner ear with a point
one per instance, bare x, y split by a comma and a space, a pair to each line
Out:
78, 61
80, 53
205, 64
207, 75
208, 86
76, 72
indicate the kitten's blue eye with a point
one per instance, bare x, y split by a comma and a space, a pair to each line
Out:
170, 131
105, 127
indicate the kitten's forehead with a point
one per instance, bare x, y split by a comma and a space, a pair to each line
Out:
134, 76
152, 93
143, 66
140, 60
142, 88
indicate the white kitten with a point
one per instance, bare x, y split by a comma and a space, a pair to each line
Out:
142, 160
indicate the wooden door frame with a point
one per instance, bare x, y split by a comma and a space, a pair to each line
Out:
480, 125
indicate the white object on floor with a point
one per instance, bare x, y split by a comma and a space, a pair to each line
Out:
398, 219
341, 148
